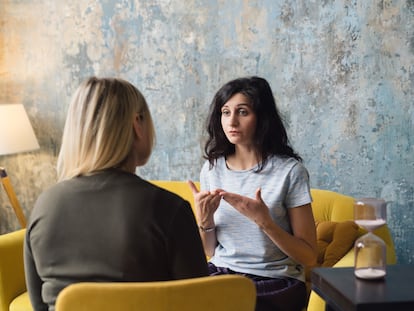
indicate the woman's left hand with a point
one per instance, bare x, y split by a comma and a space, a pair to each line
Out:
254, 209
301, 245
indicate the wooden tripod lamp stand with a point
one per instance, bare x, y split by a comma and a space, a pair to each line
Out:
16, 135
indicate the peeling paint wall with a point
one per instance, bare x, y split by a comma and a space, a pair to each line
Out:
342, 73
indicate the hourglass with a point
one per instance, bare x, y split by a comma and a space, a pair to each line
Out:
370, 250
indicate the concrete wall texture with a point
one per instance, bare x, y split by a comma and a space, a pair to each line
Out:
342, 72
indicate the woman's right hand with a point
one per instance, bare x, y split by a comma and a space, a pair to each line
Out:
206, 204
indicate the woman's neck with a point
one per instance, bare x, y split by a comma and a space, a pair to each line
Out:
242, 159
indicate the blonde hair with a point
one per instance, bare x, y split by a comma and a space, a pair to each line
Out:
98, 132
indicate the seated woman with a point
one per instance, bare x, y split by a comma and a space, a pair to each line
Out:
101, 222
254, 207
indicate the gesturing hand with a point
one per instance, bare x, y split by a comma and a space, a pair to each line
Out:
254, 209
206, 203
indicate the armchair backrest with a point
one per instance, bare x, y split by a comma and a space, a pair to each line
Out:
333, 206
218, 293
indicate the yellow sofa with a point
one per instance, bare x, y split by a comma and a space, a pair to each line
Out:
331, 211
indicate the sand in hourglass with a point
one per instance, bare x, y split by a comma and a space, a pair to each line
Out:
370, 273
370, 264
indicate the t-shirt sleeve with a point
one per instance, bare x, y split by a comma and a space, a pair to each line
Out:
299, 189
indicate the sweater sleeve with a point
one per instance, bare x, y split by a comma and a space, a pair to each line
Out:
185, 247
33, 281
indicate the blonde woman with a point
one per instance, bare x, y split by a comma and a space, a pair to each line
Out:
101, 222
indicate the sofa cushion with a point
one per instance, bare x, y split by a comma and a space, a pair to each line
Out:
334, 240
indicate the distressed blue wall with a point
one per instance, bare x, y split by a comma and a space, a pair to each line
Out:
342, 73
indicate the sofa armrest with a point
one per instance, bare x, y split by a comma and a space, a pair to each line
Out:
347, 260
12, 279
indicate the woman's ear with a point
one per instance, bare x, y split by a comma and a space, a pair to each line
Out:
137, 125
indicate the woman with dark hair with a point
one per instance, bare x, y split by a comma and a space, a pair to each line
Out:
254, 206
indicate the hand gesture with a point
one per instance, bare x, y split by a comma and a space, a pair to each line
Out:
206, 203
254, 209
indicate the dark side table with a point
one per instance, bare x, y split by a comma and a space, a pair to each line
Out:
342, 291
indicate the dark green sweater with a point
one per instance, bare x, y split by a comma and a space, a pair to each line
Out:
111, 226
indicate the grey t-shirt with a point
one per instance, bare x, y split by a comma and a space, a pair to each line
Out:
242, 245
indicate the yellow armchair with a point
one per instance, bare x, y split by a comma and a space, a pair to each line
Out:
329, 206
218, 293
13, 295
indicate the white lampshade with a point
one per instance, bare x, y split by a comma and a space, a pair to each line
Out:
16, 132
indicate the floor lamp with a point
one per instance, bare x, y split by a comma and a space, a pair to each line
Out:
16, 135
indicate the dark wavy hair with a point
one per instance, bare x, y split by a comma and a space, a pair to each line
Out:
270, 135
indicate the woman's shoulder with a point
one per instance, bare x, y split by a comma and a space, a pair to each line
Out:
289, 164
284, 160
162, 195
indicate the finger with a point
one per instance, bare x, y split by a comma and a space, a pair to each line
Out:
193, 187
259, 194
231, 198
221, 192
216, 201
